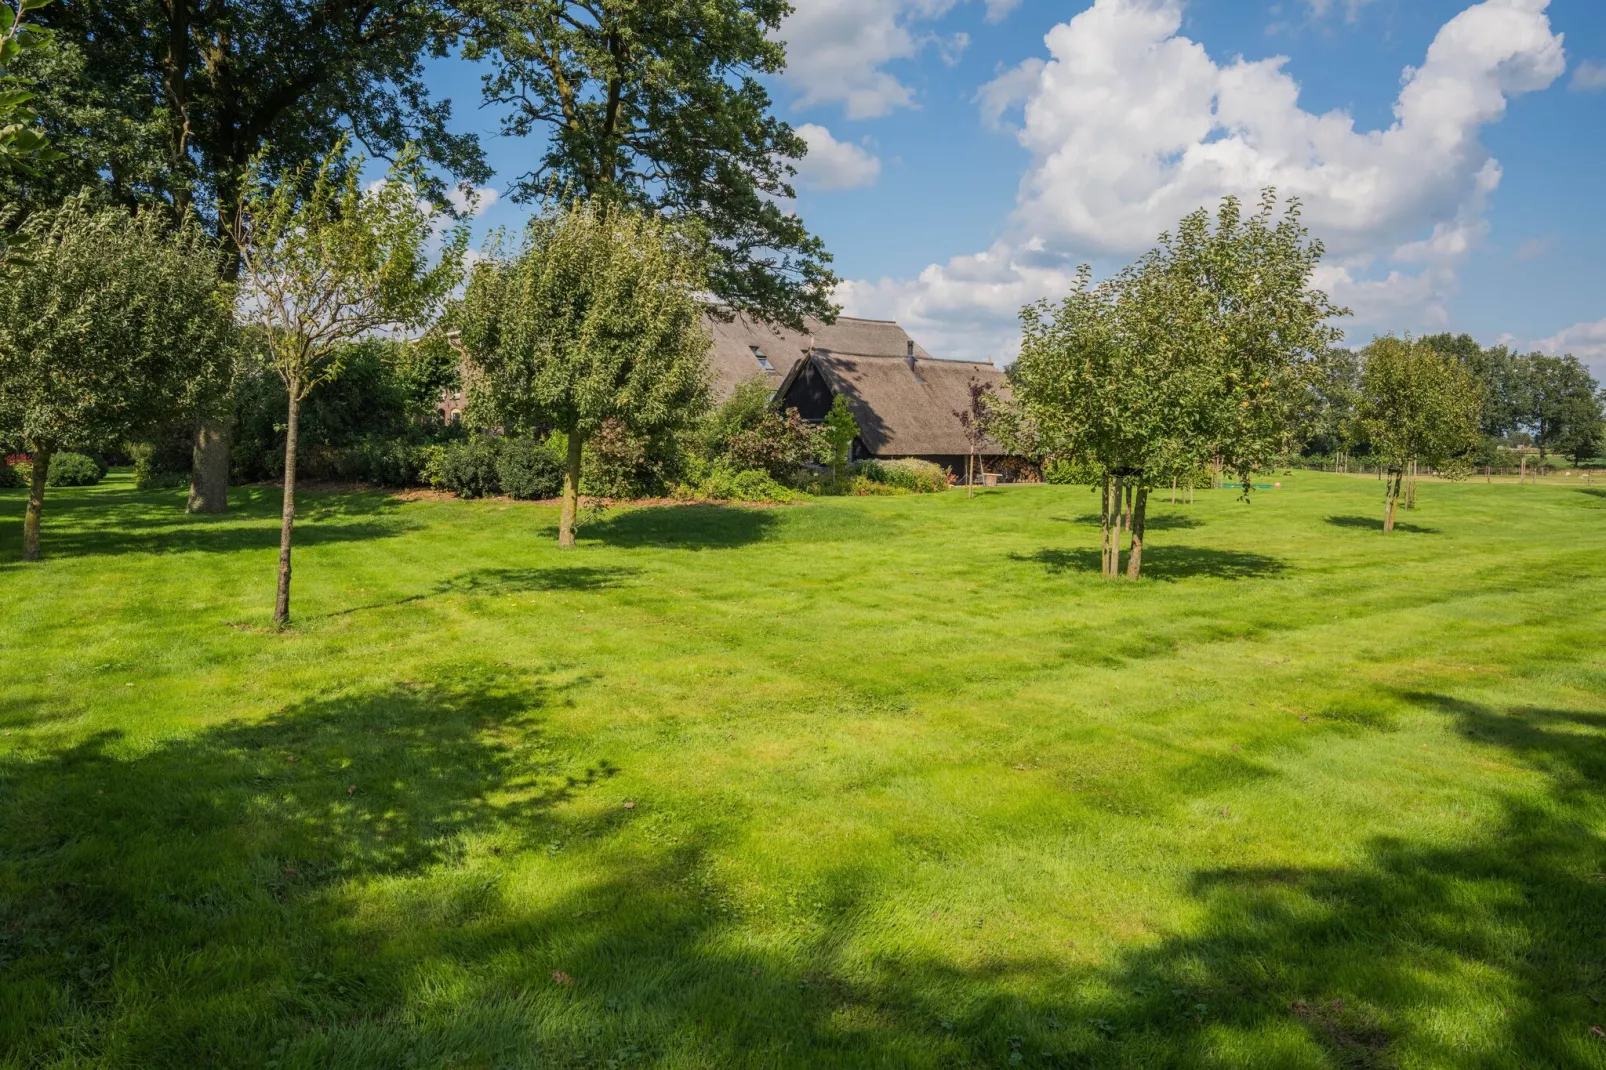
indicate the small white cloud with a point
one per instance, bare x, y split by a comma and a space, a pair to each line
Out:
1589, 77
1586, 341
833, 165
473, 201
998, 10
1352, 8
1014, 86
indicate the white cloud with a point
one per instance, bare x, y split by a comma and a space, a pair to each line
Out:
1586, 341
1589, 76
1131, 125
998, 10
1535, 249
473, 201
833, 164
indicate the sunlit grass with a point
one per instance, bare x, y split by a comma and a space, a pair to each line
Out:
864, 782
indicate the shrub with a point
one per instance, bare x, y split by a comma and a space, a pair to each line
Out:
620, 463
153, 468
724, 483
9, 479
906, 473
73, 470
528, 470
468, 469
1069, 471
429, 463
783, 446
384, 462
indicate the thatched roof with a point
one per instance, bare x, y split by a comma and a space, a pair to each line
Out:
906, 407
732, 358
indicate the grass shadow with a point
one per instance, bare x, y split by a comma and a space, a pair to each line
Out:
685, 527
1168, 563
495, 582
1153, 522
1372, 523
112, 518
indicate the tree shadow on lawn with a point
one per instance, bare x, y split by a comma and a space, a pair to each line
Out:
1372, 523
99, 521
1152, 522
213, 903
1170, 563
683, 527
496, 582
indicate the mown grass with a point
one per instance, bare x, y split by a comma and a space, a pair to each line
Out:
861, 783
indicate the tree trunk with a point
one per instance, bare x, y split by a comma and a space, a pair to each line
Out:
1104, 527
1140, 508
1115, 527
571, 491
1522, 473
209, 471
1391, 498
281, 604
970, 476
36, 503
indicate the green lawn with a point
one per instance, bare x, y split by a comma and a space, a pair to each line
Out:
859, 783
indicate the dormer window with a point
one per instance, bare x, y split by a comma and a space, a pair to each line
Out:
763, 361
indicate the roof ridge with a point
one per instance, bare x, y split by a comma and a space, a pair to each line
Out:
894, 356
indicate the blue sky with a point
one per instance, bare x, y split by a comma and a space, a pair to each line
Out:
968, 153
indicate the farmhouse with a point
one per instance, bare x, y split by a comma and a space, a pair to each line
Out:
903, 399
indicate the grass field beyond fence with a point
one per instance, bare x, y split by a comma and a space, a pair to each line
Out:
877, 782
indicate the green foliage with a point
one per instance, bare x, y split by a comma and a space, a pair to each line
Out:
168, 103
139, 327
469, 469
9, 477
722, 482
595, 318
327, 262
155, 466
905, 473
73, 470
1561, 405
1418, 406
839, 430
379, 394
529, 469
1072, 471
662, 107
782, 445
24, 146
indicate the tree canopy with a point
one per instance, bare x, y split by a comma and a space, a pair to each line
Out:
325, 263
1419, 406
595, 319
1202, 348
659, 106
120, 320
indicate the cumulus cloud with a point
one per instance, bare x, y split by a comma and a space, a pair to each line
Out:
473, 201
1589, 77
1132, 125
1586, 341
837, 50
832, 164
1352, 8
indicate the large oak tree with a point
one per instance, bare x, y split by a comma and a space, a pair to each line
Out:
658, 104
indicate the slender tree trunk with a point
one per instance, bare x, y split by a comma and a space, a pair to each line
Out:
1522, 474
1173, 490
1391, 498
287, 520
970, 476
571, 491
1116, 505
209, 472
1140, 508
1104, 527
36, 502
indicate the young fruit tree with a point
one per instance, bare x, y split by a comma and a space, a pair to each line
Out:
597, 318
1198, 350
974, 420
1418, 406
324, 263
840, 430
117, 324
